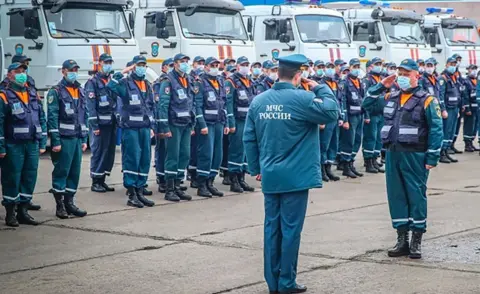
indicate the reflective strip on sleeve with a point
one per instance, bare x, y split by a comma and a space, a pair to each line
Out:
92, 118
434, 151
164, 120
53, 131
199, 116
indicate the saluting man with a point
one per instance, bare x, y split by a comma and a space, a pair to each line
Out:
412, 135
101, 106
67, 125
240, 92
287, 174
136, 118
210, 128
470, 119
23, 137
177, 120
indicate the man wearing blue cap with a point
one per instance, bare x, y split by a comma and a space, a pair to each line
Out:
450, 94
136, 118
101, 107
22, 59
372, 142
339, 63
198, 67
319, 71
353, 92
23, 137
256, 69
177, 120
412, 135
421, 66
471, 108
271, 76
160, 145
67, 125
461, 105
210, 128
287, 174
240, 92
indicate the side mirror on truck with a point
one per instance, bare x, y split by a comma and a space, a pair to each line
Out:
432, 39
372, 39
162, 34
160, 20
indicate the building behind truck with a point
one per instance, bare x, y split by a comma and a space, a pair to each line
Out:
164, 28
299, 27
50, 32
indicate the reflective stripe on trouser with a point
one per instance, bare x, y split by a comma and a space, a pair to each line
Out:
66, 166
470, 126
351, 138
225, 145
160, 152
449, 125
328, 143
407, 189
209, 150
236, 154
103, 149
457, 126
136, 156
19, 172
178, 152
192, 163
284, 218
372, 141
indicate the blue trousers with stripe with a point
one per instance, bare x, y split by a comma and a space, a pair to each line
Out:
178, 152
209, 150
372, 141
329, 143
470, 126
449, 126
66, 166
236, 152
160, 152
103, 151
136, 157
351, 138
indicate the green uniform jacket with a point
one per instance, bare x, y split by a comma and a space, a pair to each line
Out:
434, 120
281, 136
372, 105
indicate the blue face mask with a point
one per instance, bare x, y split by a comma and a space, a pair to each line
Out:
355, 72
184, 67
140, 71
320, 72
256, 71
377, 69
330, 72
403, 83
71, 76
21, 78
451, 69
106, 68
384, 71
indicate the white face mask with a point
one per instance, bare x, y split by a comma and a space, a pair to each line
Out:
392, 72
201, 67
213, 71
305, 74
244, 70
473, 73
273, 76
429, 70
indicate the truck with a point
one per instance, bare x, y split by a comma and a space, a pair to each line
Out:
164, 28
299, 27
52, 31
450, 34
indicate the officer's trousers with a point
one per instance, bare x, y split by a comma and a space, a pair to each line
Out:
160, 152
470, 125
407, 190
449, 125
136, 156
224, 164
192, 163
103, 149
209, 150
372, 141
351, 138
284, 218
178, 152
236, 153
66, 166
329, 143
19, 172
458, 124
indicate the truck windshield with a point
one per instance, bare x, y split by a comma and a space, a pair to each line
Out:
461, 36
406, 31
90, 19
213, 23
314, 28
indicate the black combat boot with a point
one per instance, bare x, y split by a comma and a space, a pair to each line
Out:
325, 178
179, 186
146, 192
330, 174
341, 165
23, 217
401, 248
370, 168
226, 178
105, 186
377, 166
133, 199
202, 188
71, 208
241, 180
143, 199
60, 211
469, 146
212, 188
162, 185
455, 150
347, 171
193, 179
235, 184
354, 170
33, 206
451, 158
180, 192
443, 157
10, 218
97, 186
170, 192
416, 245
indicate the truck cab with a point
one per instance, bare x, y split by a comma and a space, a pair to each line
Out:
299, 27
51, 31
164, 28
450, 34
389, 33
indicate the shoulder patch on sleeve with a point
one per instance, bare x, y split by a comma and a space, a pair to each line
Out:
167, 90
91, 95
227, 90
195, 89
441, 81
50, 99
